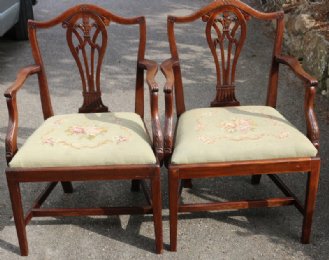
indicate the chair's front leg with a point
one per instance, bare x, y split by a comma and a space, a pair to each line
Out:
16, 203
67, 186
188, 183
311, 191
255, 179
135, 185
157, 211
173, 207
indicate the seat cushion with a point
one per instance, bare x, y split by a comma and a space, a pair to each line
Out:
87, 140
241, 133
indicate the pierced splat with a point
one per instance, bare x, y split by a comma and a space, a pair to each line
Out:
226, 33
83, 31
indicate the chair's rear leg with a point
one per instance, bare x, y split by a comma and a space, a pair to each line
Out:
16, 203
173, 208
187, 183
311, 191
255, 179
157, 214
67, 186
135, 185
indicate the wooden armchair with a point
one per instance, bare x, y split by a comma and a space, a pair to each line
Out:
94, 144
228, 139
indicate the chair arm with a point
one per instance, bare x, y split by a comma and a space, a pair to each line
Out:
167, 70
10, 94
151, 68
310, 83
22, 75
297, 68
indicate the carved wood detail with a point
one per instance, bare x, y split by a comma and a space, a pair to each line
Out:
226, 33
83, 32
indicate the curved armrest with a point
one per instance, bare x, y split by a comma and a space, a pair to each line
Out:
22, 75
167, 70
10, 94
297, 68
151, 68
311, 83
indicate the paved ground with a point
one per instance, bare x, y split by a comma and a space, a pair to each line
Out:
247, 234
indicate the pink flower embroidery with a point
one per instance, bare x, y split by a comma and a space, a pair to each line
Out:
206, 139
89, 132
120, 139
77, 130
93, 131
49, 141
199, 126
235, 125
58, 121
283, 135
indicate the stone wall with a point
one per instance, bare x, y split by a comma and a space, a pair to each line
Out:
310, 46
307, 39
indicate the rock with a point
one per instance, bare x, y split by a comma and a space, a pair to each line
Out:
316, 54
303, 23
299, 23
303, 41
307, 44
293, 44
326, 87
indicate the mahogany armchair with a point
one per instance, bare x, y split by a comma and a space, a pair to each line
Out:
228, 139
94, 144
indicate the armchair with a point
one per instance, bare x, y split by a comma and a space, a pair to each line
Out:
232, 140
94, 144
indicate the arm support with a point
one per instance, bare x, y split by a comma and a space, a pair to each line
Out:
10, 94
167, 70
310, 90
151, 68
295, 66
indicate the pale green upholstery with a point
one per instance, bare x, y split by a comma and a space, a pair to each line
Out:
87, 140
236, 134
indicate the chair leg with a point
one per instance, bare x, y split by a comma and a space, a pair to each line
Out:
187, 183
16, 202
157, 214
135, 185
311, 191
255, 179
67, 187
173, 208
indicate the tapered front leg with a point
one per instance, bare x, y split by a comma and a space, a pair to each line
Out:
188, 183
16, 203
157, 211
255, 179
173, 207
311, 191
67, 186
135, 185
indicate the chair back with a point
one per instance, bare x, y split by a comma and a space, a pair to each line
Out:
225, 29
87, 38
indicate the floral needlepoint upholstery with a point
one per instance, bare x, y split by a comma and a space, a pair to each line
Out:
236, 134
87, 140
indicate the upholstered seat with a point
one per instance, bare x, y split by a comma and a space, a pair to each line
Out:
237, 134
87, 140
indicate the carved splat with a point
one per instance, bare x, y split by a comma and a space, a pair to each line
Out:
83, 32
226, 33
